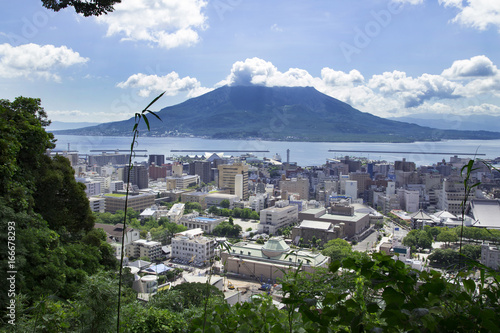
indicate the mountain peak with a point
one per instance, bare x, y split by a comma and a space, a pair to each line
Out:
279, 113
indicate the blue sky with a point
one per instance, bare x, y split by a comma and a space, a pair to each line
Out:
386, 57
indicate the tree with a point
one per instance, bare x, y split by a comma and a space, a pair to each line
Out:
87, 8
418, 239
23, 142
225, 203
60, 199
447, 236
337, 249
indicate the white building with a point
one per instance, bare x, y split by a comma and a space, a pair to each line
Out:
351, 189
490, 256
214, 199
175, 213
451, 196
205, 223
144, 248
191, 245
281, 215
116, 185
97, 204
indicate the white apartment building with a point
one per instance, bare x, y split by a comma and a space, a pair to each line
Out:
175, 213
97, 204
144, 248
281, 215
191, 245
116, 185
490, 256
451, 197
409, 200
257, 202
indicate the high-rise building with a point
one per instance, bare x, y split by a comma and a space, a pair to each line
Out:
157, 159
228, 179
202, 169
138, 175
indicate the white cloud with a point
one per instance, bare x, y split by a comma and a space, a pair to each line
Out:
82, 116
166, 23
414, 91
479, 14
171, 83
487, 109
32, 60
389, 93
339, 78
477, 66
276, 28
411, 2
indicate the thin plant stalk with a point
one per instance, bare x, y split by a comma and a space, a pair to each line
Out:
135, 130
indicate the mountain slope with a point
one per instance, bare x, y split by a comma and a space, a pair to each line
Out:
454, 121
278, 113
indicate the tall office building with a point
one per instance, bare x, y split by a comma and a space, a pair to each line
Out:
157, 159
202, 169
228, 179
138, 175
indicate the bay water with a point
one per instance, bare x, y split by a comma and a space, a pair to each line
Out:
304, 153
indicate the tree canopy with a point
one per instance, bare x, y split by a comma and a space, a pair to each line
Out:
87, 8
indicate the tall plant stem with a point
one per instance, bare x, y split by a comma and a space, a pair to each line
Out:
135, 130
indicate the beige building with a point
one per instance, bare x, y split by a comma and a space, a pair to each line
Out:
182, 182
191, 245
198, 197
229, 181
354, 222
269, 261
324, 231
296, 185
144, 248
281, 215
137, 202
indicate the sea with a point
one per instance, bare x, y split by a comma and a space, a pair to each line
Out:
303, 153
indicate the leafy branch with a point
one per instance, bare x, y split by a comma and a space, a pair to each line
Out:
137, 118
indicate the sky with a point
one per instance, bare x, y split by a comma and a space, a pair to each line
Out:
387, 57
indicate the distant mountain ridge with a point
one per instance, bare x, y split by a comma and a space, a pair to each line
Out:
277, 113
453, 121
62, 125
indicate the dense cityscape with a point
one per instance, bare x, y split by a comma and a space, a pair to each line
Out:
249, 166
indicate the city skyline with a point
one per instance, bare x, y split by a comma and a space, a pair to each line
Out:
389, 58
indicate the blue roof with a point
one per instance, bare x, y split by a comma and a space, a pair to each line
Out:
158, 269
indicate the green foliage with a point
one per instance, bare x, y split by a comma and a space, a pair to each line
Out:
418, 239
337, 249
87, 8
226, 229
60, 199
225, 203
447, 236
194, 294
23, 142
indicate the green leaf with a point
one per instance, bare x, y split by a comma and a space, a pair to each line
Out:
154, 114
147, 122
152, 102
